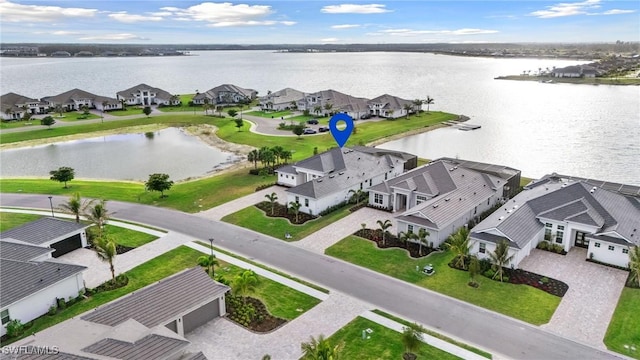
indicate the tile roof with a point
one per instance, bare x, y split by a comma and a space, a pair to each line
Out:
391, 102
31, 353
69, 96
501, 171
341, 101
12, 101
20, 279
130, 92
332, 160
150, 347
284, 96
157, 304
43, 230
214, 92
12, 250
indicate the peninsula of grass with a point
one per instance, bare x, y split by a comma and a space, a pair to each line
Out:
381, 343
624, 329
127, 237
10, 220
581, 80
255, 219
518, 301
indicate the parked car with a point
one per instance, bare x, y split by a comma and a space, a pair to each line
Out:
323, 128
308, 131
365, 116
312, 122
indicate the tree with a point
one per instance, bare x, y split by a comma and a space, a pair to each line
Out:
294, 207
474, 269
298, 130
390, 113
147, 110
286, 155
159, 182
384, 226
417, 103
422, 236
277, 152
320, 349
76, 206
428, 101
253, 157
63, 174
98, 215
209, 262
219, 109
239, 123
328, 106
411, 339
405, 237
85, 109
245, 283
407, 108
106, 251
634, 264
317, 109
232, 112
273, 197
59, 109
206, 107
47, 121
26, 116
267, 157
294, 105
499, 258
458, 243
358, 195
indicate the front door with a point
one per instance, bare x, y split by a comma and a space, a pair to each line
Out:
581, 240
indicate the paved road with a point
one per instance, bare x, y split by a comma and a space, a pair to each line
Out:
501, 335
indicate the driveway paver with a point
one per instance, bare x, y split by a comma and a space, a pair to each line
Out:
586, 309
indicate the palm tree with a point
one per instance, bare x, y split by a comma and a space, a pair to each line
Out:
219, 109
317, 109
294, 105
458, 243
384, 226
320, 349
429, 100
634, 264
407, 108
404, 238
422, 236
273, 197
106, 252
209, 262
98, 215
8, 111
358, 195
58, 108
295, 208
277, 152
499, 258
253, 157
328, 106
267, 156
245, 283
76, 206
417, 103
411, 339
474, 269
390, 113
286, 155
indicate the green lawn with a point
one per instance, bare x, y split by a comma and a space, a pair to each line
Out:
255, 219
10, 220
191, 196
184, 106
624, 328
128, 237
73, 116
519, 301
130, 110
18, 123
382, 343
270, 114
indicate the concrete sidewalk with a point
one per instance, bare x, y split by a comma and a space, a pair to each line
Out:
230, 207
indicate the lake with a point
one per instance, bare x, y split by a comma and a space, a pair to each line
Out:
581, 130
122, 157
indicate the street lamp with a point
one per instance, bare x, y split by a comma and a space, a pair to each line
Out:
211, 258
51, 203
194, 102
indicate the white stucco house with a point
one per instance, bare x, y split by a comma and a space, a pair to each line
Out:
146, 95
14, 106
75, 99
282, 99
390, 106
225, 94
332, 101
325, 179
439, 197
567, 212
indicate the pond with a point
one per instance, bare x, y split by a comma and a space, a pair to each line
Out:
120, 157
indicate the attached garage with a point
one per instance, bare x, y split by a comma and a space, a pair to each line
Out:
67, 245
201, 316
61, 235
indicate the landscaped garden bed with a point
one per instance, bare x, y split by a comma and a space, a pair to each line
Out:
552, 286
282, 211
251, 313
392, 241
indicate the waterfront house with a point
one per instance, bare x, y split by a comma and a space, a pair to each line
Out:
282, 99
326, 179
331, 101
439, 197
146, 95
75, 99
225, 94
14, 106
390, 106
603, 218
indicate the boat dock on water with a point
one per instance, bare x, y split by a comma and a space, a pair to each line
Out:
462, 125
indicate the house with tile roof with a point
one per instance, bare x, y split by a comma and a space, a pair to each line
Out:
60, 235
572, 213
14, 106
282, 99
225, 94
439, 197
390, 106
338, 102
146, 95
325, 180
75, 99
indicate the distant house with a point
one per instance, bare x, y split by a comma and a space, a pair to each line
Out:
576, 71
146, 95
565, 212
75, 99
225, 94
326, 179
282, 99
390, 106
14, 106
83, 54
332, 101
439, 197
60, 54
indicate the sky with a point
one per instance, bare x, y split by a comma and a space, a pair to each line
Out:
317, 22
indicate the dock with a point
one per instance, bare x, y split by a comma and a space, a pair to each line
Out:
462, 125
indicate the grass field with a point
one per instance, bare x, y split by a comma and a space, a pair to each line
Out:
130, 110
270, 114
74, 116
624, 328
10, 220
519, 301
255, 219
128, 237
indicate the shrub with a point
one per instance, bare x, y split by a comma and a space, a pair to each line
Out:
543, 245
53, 309
485, 264
333, 208
14, 328
558, 248
264, 186
489, 273
61, 303
544, 280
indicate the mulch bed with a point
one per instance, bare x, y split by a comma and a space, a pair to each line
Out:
550, 285
263, 321
392, 241
282, 211
120, 249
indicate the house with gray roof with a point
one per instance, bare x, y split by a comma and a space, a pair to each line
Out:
75, 99
60, 235
571, 213
390, 106
14, 106
225, 94
332, 101
146, 95
326, 179
287, 98
439, 197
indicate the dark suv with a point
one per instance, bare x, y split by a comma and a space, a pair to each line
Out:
365, 116
312, 122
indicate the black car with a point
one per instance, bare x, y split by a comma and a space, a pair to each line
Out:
312, 122
323, 128
308, 131
365, 116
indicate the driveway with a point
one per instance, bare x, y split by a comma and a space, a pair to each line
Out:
586, 309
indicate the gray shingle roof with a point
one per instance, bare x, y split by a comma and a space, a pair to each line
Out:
332, 160
43, 230
501, 171
12, 101
21, 252
69, 96
31, 353
19, 279
284, 96
520, 226
130, 92
213, 94
493, 238
196, 356
340, 101
150, 347
161, 302
390, 102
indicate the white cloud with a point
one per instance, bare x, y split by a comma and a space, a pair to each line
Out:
125, 17
329, 40
288, 23
567, 9
225, 14
113, 37
345, 26
617, 12
355, 9
64, 33
12, 12
409, 32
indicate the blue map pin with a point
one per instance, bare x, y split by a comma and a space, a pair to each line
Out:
341, 136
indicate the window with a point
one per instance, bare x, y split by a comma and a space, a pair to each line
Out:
475, 210
596, 244
410, 229
483, 248
5, 316
560, 227
306, 202
360, 186
547, 234
611, 248
625, 251
377, 199
559, 236
420, 199
548, 225
297, 200
386, 175
488, 201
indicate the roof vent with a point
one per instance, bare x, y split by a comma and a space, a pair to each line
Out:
451, 169
509, 211
500, 218
331, 176
515, 207
341, 173
435, 206
319, 180
447, 199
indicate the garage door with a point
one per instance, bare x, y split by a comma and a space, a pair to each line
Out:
67, 245
201, 316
